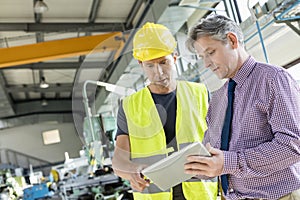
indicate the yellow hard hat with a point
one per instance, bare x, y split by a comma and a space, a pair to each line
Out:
153, 41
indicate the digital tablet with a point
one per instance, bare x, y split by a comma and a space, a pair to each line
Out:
169, 171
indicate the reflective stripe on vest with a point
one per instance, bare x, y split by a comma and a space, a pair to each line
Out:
147, 136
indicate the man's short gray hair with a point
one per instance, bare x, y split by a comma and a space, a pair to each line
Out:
215, 26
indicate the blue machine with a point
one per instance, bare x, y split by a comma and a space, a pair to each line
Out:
36, 192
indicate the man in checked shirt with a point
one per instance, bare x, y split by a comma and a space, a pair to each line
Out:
263, 159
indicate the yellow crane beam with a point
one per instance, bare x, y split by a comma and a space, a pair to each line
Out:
56, 49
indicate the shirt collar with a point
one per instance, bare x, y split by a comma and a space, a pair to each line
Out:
244, 71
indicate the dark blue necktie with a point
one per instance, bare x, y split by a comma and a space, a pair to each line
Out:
225, 137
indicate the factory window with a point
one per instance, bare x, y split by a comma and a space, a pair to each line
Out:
51, 137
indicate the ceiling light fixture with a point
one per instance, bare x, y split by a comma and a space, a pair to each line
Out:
43, 83
44, 102
40, 7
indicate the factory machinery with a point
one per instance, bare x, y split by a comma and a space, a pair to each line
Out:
91, 176
88, 177
76, 178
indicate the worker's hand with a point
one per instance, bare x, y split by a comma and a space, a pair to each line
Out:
138, 182
206, 166
134, 176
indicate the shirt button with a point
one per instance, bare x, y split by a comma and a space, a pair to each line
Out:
231, 190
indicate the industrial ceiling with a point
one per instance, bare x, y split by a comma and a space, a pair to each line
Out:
52, 46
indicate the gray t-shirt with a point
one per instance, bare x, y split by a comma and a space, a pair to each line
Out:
166, 107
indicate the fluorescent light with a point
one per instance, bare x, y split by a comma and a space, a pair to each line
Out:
40, 7
43, 83
44, 102
116, 88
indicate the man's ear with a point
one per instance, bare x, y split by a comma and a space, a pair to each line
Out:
233, 40
175, 58
175, 55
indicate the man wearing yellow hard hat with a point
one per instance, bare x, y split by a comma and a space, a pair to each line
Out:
167, 114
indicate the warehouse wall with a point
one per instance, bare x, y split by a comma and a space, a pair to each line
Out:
28, 140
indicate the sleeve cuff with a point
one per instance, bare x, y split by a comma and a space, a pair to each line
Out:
230, 162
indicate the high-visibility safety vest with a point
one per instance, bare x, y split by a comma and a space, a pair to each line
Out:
148, 140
